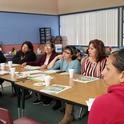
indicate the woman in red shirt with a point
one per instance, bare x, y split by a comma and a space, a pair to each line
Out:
109, 108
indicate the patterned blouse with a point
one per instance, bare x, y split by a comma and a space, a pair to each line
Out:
93, 69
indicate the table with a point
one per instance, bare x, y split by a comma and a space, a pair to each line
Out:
78, 92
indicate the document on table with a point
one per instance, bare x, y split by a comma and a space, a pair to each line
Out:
33, 72
39, 78
55, 88
86, 79
28, 67
52, 71
4, 72
89, 103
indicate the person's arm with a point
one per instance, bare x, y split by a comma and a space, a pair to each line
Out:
52, 63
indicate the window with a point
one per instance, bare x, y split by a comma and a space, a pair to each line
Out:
80, 28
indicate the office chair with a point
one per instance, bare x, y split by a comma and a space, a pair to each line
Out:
5, 118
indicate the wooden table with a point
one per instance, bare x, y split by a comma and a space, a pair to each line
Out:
77, 94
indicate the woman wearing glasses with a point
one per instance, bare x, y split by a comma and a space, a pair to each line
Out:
67, 60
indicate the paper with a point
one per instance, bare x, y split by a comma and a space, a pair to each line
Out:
64, 73
14, 65
86, 79
33, 72
4, 72
89, 103
38, 77
28, 67
55, 88
52, 71
38, 84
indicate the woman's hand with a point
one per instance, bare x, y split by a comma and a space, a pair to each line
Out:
24, 64
43, 67
59, 56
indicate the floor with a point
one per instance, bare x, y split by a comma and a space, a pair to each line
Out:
44, 114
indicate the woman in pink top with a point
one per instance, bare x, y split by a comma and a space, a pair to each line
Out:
94, 63
109, 108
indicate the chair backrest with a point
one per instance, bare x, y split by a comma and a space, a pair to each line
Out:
5, 116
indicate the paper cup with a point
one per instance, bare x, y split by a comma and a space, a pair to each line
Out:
10, 64
2, 66
71, 73
47, 80
12, 71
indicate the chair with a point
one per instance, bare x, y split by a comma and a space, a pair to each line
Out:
5, 118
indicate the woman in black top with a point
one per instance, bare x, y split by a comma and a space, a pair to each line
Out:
2, 60
26, 54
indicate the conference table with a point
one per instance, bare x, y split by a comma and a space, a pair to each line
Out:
76, 93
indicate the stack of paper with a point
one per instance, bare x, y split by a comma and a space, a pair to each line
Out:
55, 88
89, 103
28, 67
38, 77
86, 79
33, 72
51, 71
4, 72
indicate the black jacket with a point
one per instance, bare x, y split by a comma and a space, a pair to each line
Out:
20, 57
2, 57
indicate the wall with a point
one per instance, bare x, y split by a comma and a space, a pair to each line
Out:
16, 28
70, 6
30, 6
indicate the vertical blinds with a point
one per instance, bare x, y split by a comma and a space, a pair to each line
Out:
79, 29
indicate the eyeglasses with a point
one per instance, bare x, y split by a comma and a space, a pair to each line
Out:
66, 52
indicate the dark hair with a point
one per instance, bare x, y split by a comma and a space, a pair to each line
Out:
29, 44
51, 44
118, 59
73, 51
99, 46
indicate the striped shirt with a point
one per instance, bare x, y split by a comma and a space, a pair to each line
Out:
93, 69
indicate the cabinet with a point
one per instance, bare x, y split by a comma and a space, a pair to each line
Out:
45, 34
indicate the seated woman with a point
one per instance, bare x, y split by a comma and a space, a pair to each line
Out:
46, 58
65, 62
44, 61
92, 65
2, 60
26, 54
109, 108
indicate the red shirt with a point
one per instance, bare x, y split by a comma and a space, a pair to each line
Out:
108, 108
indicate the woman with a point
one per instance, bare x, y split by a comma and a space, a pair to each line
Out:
109, 108
2, 60
92, 65
68, 60
26, 54
46, 58
44, 61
